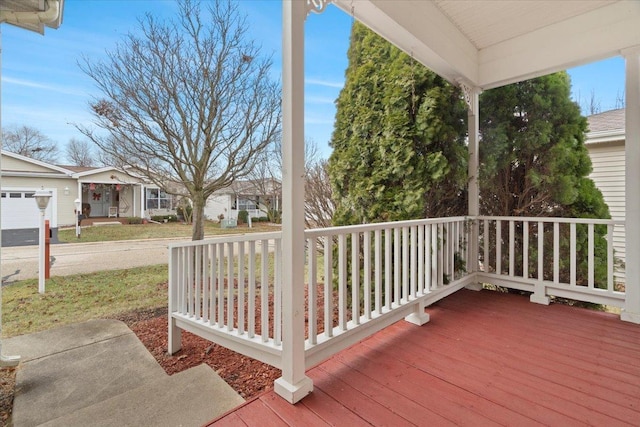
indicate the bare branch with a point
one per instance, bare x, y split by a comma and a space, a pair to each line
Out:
30, 142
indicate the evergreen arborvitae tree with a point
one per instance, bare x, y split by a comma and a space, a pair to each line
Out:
398, 143
534, 161
532, 151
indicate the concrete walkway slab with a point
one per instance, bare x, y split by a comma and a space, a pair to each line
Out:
60, 383
189, 398
47, 343
98, 373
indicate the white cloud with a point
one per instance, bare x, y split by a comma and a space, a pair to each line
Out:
319, 100
67, 90
326, 83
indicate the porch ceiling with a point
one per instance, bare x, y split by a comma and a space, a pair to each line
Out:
492, 43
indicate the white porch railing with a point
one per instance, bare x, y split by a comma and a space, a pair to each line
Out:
222, 289
369, 276
360, 279
373, 275
564, 257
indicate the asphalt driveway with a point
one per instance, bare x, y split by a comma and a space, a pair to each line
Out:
25, 237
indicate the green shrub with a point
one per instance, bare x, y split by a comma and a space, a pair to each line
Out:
243, 217
135, 220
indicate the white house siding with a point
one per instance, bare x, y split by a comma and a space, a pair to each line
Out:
218, 204
609, 176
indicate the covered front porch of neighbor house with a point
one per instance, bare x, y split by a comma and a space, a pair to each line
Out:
383, 273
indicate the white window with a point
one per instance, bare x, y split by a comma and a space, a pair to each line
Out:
158, 199
245, 204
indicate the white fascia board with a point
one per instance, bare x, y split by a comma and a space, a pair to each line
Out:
37, 162
605, 136
595, 35
94, 171
33, 175
425, 33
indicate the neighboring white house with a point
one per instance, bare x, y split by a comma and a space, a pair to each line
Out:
257, 197
605, 142
103, 192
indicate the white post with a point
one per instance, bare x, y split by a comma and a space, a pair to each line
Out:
78, 205
471, 95
294, 384
631, 312
42, 200
41, 254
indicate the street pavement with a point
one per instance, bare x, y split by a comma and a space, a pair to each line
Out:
21, 262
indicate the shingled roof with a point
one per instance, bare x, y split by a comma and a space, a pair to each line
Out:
607, 121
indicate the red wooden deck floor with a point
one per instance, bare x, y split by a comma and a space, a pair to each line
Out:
484, 359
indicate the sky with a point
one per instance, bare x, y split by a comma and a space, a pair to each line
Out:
44, 88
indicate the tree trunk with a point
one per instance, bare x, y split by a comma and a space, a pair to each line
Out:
198, 217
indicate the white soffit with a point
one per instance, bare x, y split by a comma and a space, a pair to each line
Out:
490, 43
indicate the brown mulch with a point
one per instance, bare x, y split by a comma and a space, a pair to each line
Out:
7, 386
246, 376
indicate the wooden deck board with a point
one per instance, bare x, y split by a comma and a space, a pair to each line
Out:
485, 358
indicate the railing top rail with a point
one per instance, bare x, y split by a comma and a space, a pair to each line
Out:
333, 231
232, 238
554, 220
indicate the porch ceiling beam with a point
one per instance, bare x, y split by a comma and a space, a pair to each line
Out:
592, 36
422, 30
425, 33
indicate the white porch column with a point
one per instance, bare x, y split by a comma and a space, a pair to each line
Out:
142, 205
471, 96
294, 384
631, 312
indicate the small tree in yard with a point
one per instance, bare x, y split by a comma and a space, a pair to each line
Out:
188, 102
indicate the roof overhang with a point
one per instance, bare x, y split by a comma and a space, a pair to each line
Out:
32, 15
601, 137
497, 42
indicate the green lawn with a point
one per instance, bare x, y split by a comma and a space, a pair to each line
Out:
152, 231
77, 298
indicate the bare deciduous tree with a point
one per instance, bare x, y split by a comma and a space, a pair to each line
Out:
619, 100
189, 101
319, 202
29, 142
80, 153
265, 183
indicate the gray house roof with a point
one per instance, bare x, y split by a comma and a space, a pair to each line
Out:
607, 121
606, 127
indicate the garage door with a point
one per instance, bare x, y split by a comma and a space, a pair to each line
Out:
19, 209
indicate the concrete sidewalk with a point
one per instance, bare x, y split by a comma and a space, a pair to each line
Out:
98, 373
